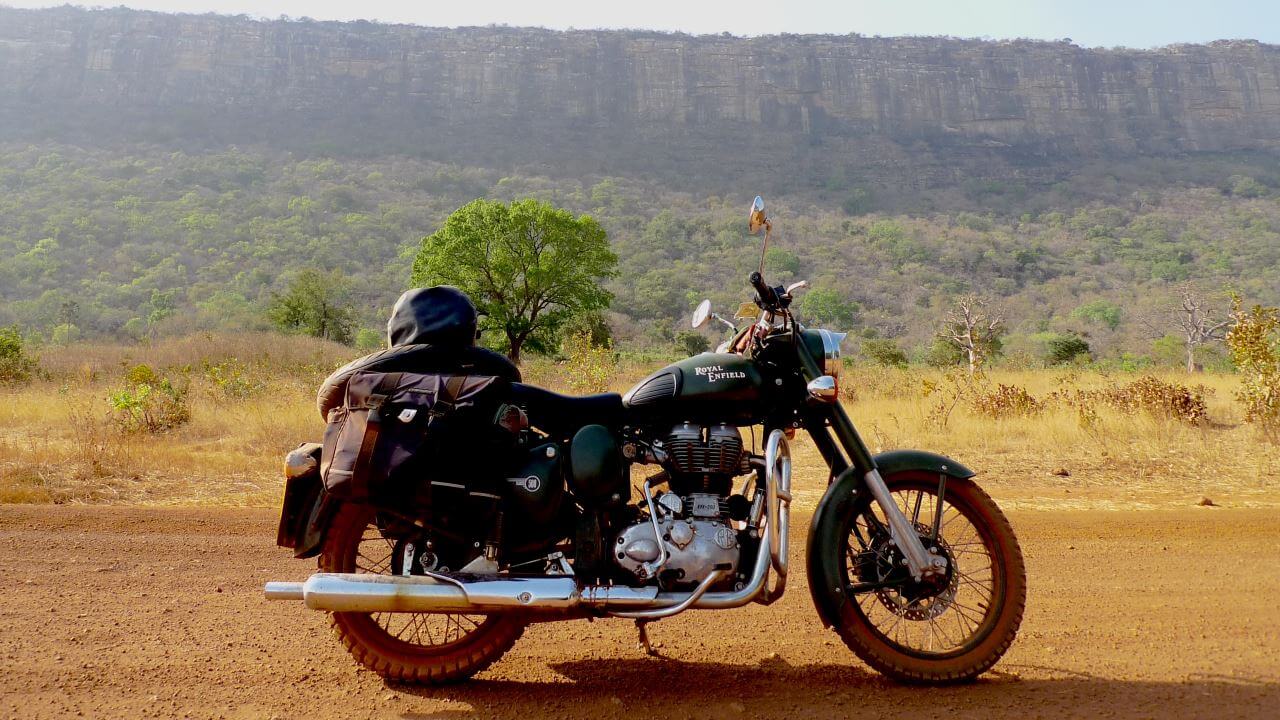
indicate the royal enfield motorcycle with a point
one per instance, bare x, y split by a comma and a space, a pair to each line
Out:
908, 560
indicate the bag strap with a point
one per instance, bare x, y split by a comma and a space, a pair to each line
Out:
455, 387
373, 423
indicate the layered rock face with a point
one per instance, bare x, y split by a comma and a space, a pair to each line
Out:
920, 109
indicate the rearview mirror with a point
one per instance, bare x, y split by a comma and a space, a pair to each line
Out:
702, 313
756, 218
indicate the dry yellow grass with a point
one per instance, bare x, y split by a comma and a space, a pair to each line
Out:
57, 443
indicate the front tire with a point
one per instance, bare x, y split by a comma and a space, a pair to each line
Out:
943, 632
439, 648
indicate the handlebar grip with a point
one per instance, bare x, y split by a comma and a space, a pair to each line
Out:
763, 291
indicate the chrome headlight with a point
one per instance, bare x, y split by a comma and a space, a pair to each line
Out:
831, 351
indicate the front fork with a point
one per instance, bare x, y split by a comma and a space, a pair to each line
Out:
902, 533
921, 563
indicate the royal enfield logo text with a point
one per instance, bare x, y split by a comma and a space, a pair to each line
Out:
717, 372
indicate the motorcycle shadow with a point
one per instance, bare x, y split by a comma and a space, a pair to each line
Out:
663, 687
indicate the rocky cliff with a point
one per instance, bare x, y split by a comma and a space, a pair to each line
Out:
917, 111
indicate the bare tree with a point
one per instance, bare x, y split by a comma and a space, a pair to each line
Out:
1198, 323
973, 328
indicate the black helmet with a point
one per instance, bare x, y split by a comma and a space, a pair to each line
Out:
440, 315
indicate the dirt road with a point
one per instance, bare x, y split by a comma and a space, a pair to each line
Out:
109, 612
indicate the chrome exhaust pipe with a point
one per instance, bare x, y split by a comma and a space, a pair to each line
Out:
441, 593
360, 592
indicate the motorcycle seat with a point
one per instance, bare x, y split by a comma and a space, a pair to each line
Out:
563, 414
415, 358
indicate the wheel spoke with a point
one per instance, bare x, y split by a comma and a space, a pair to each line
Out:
911, 614
375, 553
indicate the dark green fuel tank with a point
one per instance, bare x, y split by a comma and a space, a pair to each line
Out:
711, 387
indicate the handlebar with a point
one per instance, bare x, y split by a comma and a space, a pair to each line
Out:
765, 295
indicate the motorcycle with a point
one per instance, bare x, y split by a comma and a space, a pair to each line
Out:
908, 560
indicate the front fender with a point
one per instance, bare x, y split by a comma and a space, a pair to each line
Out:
825, 549
898, 460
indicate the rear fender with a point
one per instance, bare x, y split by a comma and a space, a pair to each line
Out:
826, 548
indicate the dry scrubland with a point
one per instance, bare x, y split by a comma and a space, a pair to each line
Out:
250, 398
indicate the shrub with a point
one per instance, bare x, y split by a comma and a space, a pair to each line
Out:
1099, 311
1005, 401
149, 403
1146, 394
1067, 349
826, 307
1170, 399
230, 380
691, 343
370, 340
1245, 187
942, 354
859, 202
589, 367
1255, 350
885, 353
594, 323
16, 366
64, 334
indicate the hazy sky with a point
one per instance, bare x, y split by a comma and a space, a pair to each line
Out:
1134, 23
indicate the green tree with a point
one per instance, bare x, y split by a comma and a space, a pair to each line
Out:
828, 308
944, 354
160, 307
16, 366
780, 261
691, 343
370, 340
317, 304
64, 334
529, 267
595, 325
1168, 351
1099, 311
884, 352
859, 202
1066, 349
1246, 187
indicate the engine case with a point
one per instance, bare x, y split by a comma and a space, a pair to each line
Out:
695, 546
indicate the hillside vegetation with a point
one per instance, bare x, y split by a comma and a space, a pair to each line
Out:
143, 241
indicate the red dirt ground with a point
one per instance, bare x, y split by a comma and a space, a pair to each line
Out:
129, 612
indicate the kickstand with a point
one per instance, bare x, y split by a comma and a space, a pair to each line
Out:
644, 639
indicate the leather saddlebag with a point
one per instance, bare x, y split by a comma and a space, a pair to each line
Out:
396, 431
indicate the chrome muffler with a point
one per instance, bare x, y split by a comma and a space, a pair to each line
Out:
448, 593
360, 592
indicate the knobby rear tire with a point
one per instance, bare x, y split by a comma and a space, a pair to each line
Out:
389, 656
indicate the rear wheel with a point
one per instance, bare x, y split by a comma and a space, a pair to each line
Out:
413, 647
950, 629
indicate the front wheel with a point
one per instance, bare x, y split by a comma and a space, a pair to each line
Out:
943, 630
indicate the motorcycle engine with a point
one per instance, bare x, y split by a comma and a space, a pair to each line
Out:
693, 519
703, 458
696, 533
